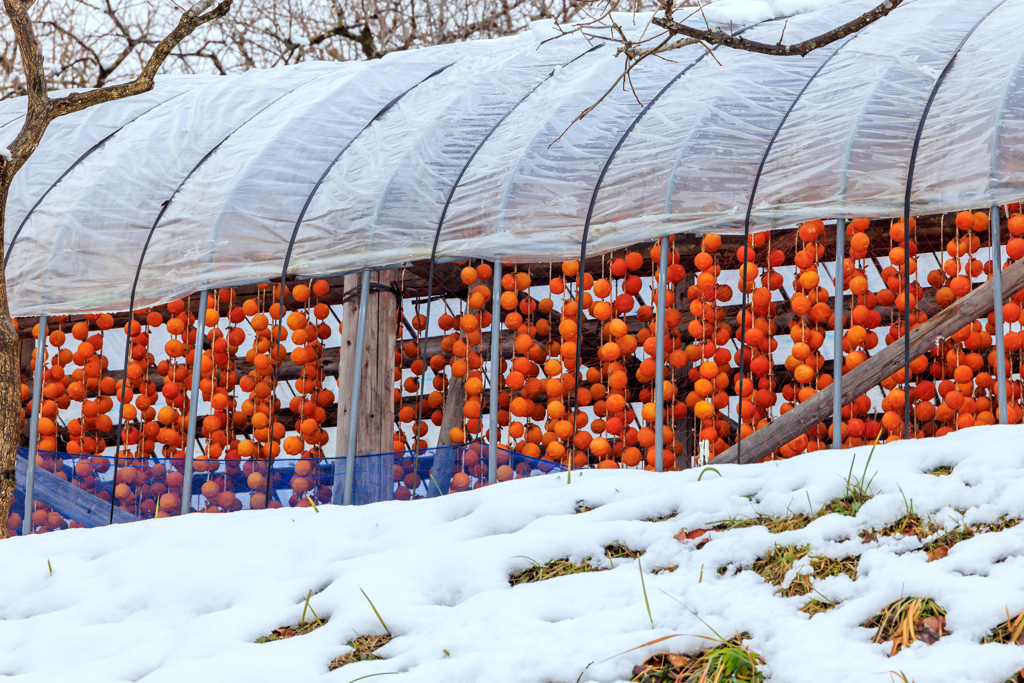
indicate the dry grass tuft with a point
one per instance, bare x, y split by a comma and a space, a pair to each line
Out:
621, 551
662, 518
938, 547
775, 525
776, 565
942, 471
1010, 632
909, 524
848, 505
550, 570
728, 662
582, 506
1001, 525
908, 620
291, 631
814, 606
364, 649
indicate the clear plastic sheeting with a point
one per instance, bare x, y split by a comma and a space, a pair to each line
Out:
326, 168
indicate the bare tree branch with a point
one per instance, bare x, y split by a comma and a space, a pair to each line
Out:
41, 110
716, 36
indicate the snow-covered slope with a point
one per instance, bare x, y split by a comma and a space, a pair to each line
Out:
184, 599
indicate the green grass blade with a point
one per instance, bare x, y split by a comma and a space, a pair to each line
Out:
644, 586
374, 607
706, 470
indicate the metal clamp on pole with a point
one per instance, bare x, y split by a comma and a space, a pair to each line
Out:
837, 338
193, 402
33, 430
353, 414
492, 444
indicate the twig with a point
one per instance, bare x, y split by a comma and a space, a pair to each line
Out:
718, 37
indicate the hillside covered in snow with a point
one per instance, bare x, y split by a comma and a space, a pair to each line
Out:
825, 567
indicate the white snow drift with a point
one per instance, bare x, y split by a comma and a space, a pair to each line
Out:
184, 599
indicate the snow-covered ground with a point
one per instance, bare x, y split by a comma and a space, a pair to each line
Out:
184, 599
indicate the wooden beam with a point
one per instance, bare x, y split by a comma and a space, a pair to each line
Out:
69, 500
785, 428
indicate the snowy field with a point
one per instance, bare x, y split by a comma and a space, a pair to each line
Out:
185, 599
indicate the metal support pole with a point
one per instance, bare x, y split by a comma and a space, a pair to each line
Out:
997, 310
193, 403
659, 363
907, 424
357, 374
33, 430
492, 445
837, 340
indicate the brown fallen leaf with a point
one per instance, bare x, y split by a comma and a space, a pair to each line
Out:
938, 553
930, 629
685, 535
678, 660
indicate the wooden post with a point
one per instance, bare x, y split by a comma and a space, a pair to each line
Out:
784, 429
443, 467
375, 433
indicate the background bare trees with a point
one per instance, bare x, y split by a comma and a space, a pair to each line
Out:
91, 43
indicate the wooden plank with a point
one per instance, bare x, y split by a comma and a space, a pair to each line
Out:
69, 500
784, 429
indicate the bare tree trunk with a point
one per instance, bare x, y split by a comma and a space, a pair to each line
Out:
374, 434
443, 467
10, 383
41, 109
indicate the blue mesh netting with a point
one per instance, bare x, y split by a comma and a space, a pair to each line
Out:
75, 490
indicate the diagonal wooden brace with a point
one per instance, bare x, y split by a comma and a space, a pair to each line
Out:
787, 427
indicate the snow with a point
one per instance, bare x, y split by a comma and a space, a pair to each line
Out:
722, 13
744, 12
5, 153
184, 599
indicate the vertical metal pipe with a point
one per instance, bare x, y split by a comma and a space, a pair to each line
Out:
492, 446
659, 363
193, 402
357, 375
33, 430
837, 341
997, 310
906, 319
